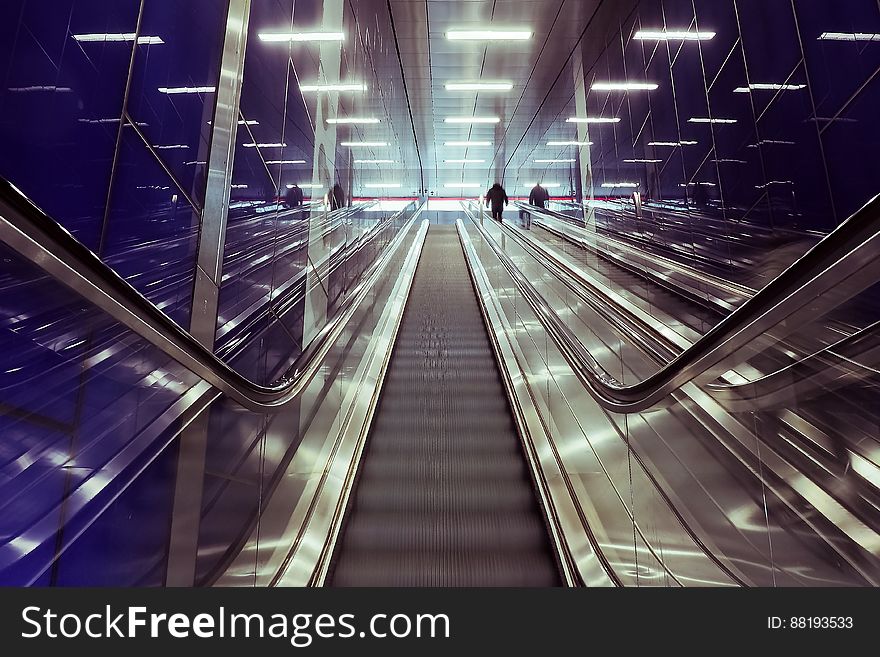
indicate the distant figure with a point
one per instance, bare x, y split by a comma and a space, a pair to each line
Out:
701, 195
335, 198
537, 197
294, 197
497, 197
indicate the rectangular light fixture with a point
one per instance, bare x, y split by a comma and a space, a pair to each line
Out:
306, 186
238, 186
472, 119
456, 185
186, 90
727, 160
672, 144
489, 35
377, 185
479, 86
619, 184
276, 37
241, 122
128, 36
348, 86
569, 143
623, 86
705, 120
374, 161
285, 161
464, 161
591, 119
41, 87
760, 86
642, 161
353, 119
553, 161
354, 144
849, 36
673, 35
265, 145
468, 143
170, 147
772, 142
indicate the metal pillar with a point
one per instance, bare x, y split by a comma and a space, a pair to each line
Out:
186, 514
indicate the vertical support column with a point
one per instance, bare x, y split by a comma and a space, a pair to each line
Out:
323, 171
585, 162
186, 513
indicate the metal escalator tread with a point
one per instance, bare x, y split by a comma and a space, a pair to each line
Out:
443, 497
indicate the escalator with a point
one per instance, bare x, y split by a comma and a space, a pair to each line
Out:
443, 497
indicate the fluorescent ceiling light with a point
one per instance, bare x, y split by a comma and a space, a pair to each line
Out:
375, 185
619, 184
116, 38
623, 86
194, 163
353, 86
41, 87
479, 86
772, 142
454, 185
241, 122
553, 161
170, 147
775, 182
264, 145
464, 161
468, 143
306, 186
275, 37
374, 161
353, 119
488, 35
760, 86
472, 119
285, 161
642, 161
727, 160
672, 143
353, 144
591, 119
569, 143
187, 90
104, 121
848, 36
673, 35
704, 120
239, 186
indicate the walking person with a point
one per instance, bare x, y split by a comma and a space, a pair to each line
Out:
537, 197
294, 196
335, 197
497, 199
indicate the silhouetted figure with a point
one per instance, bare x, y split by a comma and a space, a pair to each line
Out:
496, 198
335, 197
701, 195
537, 197
294, 197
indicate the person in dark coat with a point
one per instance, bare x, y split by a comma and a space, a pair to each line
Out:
537, 197
497, 199
336, 197
294, 196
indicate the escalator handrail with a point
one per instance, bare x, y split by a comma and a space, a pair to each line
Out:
819, 269
46, 244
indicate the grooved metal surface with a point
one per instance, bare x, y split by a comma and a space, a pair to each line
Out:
444, 497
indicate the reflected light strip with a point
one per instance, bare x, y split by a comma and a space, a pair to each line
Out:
468, 143
623, 86
727, 160
377, 185
41, 87
374, 161
472, 119
848, 36
239, 186
464, 161
569, 143
673, 35
619, 184
353, 144
187, 90
352, 119
170, 147
264, 145
305, 186
469, 185
479, 86
488, 35
553, 161
705, 120
250, 122
285, 161
591, 119
642, 161
775, 182
280, 37
117, 38
761, 86
334, 87
673, 144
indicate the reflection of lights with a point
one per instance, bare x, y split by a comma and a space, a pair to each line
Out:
472, 119
187, 90
619, 184
148, 40
704, 184
726, 160
170, 147
454, 185
848, 36
569, 143
353, 119
468, 143
672, 144
592, 119
623, 86
775, 182
642, 161
464, 161
354, 144
673, 35
479, 86
553, 161
834, 119
151, 187
772, 142
374, 161
108, 120
761, 86
306, 186
265, 145
697, 119
378, 185
194, 163
242, 122
239, 186
41, 87
285, 161
333, 87
488, 35
275, 37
